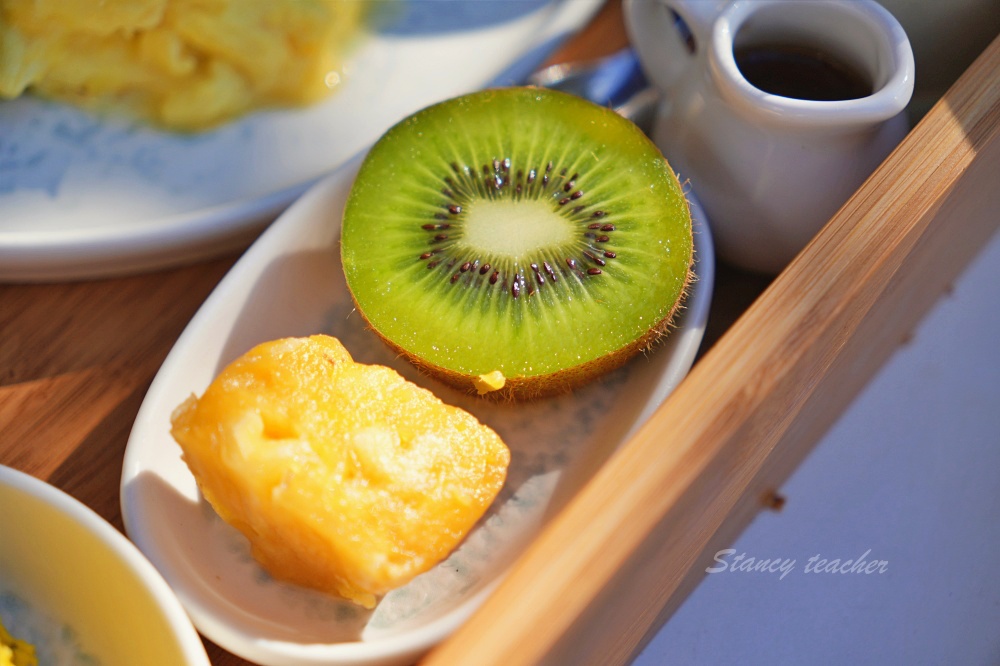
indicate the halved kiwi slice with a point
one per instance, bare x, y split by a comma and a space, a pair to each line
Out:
517, 241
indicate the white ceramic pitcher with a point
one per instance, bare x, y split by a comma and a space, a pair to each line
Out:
770, 169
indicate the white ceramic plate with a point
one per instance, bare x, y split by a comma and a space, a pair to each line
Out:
290, 283
83, 198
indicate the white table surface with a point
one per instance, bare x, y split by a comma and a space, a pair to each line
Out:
910, 475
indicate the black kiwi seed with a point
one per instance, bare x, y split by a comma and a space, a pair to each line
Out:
464, 190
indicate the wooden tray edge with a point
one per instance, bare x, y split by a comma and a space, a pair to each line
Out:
625, 552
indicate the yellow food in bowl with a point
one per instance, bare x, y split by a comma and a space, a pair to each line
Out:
344, 476
14, 652
182, 64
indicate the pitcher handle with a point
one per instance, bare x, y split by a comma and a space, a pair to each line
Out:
666, 46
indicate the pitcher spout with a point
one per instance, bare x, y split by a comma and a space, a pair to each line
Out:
857, 68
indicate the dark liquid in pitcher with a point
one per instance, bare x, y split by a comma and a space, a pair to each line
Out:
800, 73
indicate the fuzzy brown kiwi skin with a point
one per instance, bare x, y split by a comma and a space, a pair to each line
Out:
519, 389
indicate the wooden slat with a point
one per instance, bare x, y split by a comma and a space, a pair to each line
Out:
622, 555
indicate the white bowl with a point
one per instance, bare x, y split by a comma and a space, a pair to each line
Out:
71, 576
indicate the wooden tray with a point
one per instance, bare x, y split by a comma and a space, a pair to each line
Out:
613, 566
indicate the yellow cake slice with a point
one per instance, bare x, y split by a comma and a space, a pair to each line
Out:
345, 477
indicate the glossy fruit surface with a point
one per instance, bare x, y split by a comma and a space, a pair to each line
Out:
521, 234
344, 477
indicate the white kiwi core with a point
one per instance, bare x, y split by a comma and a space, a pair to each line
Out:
515, 228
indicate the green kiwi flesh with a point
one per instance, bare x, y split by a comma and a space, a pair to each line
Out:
521, 234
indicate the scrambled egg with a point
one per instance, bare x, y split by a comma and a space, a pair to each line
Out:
181, 64
14, 652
